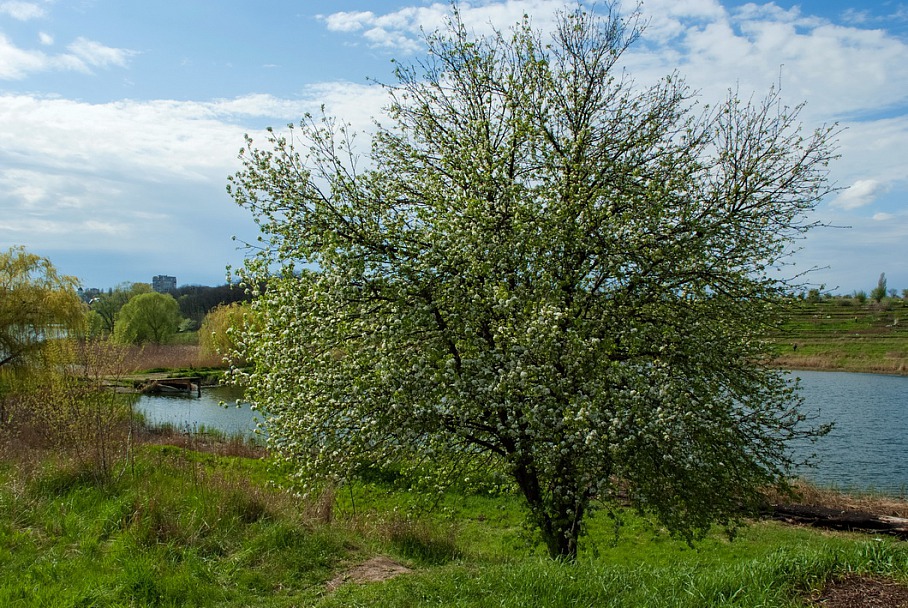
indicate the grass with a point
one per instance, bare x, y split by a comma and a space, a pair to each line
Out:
841, 334
202, 522
182, 529
190, 528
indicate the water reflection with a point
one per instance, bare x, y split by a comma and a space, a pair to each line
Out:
194, 413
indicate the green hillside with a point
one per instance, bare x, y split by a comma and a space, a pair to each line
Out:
841, 333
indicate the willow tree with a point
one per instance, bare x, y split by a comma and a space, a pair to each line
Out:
541, 267
37, 306
147, 318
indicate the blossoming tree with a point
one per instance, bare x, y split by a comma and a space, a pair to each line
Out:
540, 267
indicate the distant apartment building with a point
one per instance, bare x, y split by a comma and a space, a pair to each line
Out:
163, 283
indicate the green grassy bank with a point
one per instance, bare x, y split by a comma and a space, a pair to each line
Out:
844, 334
183, 528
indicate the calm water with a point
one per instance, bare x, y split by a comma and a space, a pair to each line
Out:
868, 448
192, 413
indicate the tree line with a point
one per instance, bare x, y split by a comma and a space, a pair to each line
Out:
135, 314
881, 294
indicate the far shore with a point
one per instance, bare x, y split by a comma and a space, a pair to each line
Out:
817, 364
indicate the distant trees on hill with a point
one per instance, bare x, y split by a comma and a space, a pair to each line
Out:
879, 292
196, 301
880, 295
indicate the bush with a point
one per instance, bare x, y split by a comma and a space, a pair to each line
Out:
69, 408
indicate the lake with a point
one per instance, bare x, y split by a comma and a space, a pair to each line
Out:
867, 449
193, 413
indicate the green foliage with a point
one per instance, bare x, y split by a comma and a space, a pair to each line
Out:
70, 408
549, 273
148, 317
222, 329
94, 324
187, 326
196, 301
879, 292
107, 305
36, 305
860, 297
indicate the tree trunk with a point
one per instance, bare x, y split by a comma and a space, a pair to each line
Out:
559, 524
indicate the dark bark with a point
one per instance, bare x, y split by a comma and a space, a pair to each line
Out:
559, 524
838, 519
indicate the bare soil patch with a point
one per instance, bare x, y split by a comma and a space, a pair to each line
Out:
375, 570
862, 592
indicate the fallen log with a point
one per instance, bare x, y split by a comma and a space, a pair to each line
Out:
838, 519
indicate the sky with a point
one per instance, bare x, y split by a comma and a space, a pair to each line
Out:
121, 121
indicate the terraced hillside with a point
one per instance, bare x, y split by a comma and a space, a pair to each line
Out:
842, 334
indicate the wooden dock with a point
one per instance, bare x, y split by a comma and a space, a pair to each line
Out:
175, 386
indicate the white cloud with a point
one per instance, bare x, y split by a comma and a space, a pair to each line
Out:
158, 140
98, 55
149, 140
106, 176
860, 194
668, 19
840, 70
109, 175
852, 258
254, 105
22, 11
899, 13
400, 30
84, 54
344, 21
16, 63
873, 150
100, 227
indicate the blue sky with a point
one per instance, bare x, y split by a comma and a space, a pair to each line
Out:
120, 121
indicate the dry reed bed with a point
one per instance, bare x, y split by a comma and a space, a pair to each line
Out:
895, 364
812, 496
167, 356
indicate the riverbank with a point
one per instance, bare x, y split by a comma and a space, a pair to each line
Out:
841, 334
190, 528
